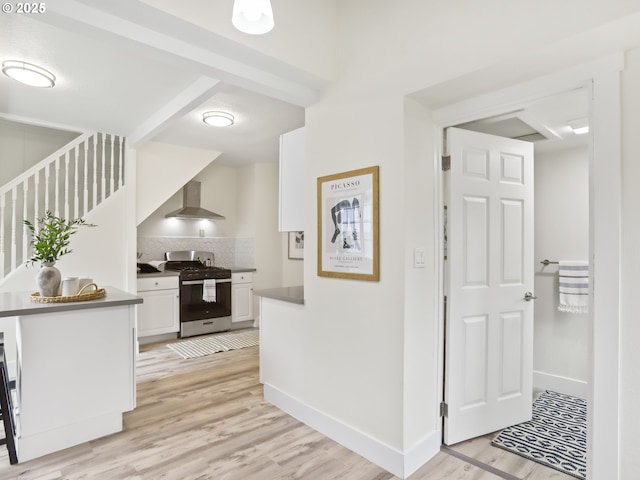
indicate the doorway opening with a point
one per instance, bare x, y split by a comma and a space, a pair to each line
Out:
601, 78
552, 346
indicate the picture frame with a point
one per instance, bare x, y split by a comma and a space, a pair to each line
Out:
348, 225
296, 245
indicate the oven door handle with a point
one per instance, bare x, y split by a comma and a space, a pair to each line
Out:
201, 282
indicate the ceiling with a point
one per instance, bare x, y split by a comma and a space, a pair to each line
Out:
544, 122
112, 79
111, 82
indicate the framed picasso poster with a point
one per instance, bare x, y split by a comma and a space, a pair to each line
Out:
348, 225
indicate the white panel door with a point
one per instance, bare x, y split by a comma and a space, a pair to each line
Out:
489, 324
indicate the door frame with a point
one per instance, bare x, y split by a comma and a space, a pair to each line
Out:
602, 79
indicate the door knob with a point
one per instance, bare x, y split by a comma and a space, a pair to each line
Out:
528, 296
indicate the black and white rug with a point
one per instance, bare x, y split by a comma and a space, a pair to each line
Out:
556, 436
201, 346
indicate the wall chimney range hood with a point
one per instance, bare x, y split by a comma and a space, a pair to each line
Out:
191, 205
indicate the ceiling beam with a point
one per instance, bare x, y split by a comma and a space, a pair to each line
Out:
192, 96
145, 28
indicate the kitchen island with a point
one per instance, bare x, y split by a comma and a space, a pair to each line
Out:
76, 369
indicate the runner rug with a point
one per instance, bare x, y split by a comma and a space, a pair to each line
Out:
556, 436
199, 347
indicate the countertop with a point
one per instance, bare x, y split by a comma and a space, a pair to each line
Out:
169, 273
241, 269
286, 294
19, 303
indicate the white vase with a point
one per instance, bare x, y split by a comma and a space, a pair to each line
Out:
48, 279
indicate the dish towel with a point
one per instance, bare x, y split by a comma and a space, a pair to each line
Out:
209, 290
574, 286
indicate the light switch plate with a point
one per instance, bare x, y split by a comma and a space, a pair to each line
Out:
418, 257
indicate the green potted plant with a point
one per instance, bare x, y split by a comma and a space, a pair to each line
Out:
50, 239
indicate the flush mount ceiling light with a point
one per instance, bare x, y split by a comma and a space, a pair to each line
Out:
28, 74
218, 119
252, 16
579, 125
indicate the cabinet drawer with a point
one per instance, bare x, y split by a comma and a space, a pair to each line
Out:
157, 283
242, 277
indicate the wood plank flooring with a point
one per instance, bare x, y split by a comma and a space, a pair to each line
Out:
204, 418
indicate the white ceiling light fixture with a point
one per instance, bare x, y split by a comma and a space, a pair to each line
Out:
252, 16
579, 126
218, 119
28, 74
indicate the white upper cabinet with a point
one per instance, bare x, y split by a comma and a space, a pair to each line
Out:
291, 213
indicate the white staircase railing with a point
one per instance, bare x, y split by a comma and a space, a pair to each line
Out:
70, 182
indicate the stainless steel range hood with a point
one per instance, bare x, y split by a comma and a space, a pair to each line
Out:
191, 205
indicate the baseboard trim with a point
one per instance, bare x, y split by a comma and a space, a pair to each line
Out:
570, 386
383, 455
422, 452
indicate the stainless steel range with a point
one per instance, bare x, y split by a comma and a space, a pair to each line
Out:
205, 292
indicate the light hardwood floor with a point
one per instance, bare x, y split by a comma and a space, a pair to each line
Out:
205, 418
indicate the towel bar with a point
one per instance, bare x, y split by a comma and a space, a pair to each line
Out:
547, 262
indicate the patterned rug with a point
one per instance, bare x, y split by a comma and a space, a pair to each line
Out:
199, 347
556, 436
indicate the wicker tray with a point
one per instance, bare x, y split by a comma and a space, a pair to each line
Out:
80, 297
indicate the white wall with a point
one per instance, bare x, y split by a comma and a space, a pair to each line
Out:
268, 258
22, 146
162, 170
218, 194
97, 252
561, 340
257, 206
629, 298
245, 197
421, 386
355, 329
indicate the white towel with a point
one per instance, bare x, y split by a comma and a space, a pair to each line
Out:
574, 286
209, 290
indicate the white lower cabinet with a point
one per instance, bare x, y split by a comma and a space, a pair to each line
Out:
160, 310
242, 296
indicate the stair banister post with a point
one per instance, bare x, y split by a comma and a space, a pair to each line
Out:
14, 247
25, 236
47, 169
112, 166
95, 170
66, 185
103, 179
120, 163
2, 252
36, 195
57, 188
76, 198
85, 193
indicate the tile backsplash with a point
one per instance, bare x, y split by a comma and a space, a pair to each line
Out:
228, 252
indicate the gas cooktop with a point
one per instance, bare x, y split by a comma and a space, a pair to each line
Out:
194, 265
195, 270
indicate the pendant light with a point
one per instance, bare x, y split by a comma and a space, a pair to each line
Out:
28, 73
252, 16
